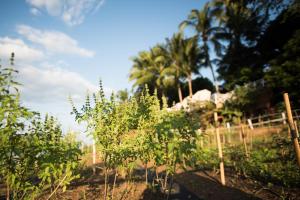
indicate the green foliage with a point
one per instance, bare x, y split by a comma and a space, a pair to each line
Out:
242, 24
205, 158
274, 163
29, 146
176, 137
283, 75
249, 99
151, 68
202, 22
137, 130
123, 95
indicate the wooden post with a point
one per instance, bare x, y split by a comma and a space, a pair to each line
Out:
229, 132
251, 132
259, 120
220, 150
244, 140
250, 124
241, 136
94, 158
292, 126
296, 128
283, 118
223, 136
201, 142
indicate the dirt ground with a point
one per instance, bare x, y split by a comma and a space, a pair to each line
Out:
190, 185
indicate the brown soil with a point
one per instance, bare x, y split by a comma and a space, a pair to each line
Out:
194, 185
206, 185
190, 185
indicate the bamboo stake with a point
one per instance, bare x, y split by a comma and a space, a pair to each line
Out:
244, 141
57, 187
292, 126
223, 138
296, 128
240, 131
201, 142
250, 124
220, 150
94, 158
229, 132
259, 120
283, 118
241, 136
251, 133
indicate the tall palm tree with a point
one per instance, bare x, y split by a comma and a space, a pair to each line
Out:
174, 46
242, 24
185, 55
191, 60
202, 22
149, 68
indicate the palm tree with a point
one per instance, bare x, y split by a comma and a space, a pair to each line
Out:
202, 22
150, 67
185, 55
174, 46
191, 60
243, 23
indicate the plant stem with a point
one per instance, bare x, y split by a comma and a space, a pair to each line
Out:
57, 187
105, 183
114, 185
7, 190
146, 173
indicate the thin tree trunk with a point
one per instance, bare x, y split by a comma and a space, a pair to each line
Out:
179, 92
105, 183
204, 37
212, 71
162, 93
7, 190
214, 77
146, 173
172, 179
171, 186
166, 181
105, 178
244, 141
190, 85
114, 185
167, 161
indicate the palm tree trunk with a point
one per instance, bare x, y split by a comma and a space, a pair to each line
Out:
162, 92
214, 77
179, 92
204, 37
190, 85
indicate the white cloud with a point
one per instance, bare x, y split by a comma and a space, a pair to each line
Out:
50, 84
22, 51
53, 7
53, 41
72, 12
35, 12
46, 89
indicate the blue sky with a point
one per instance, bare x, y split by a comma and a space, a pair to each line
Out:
63, 47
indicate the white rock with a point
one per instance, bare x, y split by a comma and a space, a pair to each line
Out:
202, 95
